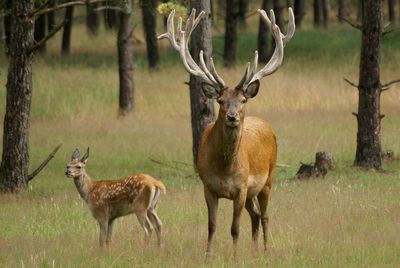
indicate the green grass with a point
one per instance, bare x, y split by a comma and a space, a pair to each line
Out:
349, 219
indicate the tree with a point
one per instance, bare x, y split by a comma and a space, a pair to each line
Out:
368, 153
40, 31
317, 12
7, 24
149, 26
341, 11
243, 6
125, 63
325, 12
66, 37
51, 17
263, 33
231, 12
202, 109
278, 10
299, 12
392, 12
92, 19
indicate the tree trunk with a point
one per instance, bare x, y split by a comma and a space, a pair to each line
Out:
66, 38
40, 31
392, 12
92, 19
125, 63
278, 10
15, 156
202, 109
341, 11
243, 6
51, 17
299, 12
230, 33
317, 13
263, 35
368, 152
7, 25
110, 18
149, 26
359, 10
325, 13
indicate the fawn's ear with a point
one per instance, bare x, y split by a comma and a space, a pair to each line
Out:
75, 155
252, 89
85, 156
210, 91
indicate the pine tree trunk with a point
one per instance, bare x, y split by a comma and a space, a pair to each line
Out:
341, 11
92, 18
392, 12
317, 13
325, 13
40, 31
359, 10
125, 63
51, 17
368, 152
149, 26
7, 25
299, 12
202, 109
66, 38
110, 18
230, 33
243, 6
278, 10
15, 156
263, 35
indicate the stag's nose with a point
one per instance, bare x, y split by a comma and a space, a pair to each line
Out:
231, 117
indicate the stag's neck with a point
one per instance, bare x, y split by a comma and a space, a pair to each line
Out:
83, 184
229, 139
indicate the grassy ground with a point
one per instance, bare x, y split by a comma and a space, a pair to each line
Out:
349, 219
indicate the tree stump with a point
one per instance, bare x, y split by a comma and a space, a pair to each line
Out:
323, 163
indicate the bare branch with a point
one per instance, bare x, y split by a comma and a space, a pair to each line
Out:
355, 114
381, 116
350, 83
351, 23
44, 163
386, 86
37, 12
47, 37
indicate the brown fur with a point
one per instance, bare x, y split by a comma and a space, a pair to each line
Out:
110, 199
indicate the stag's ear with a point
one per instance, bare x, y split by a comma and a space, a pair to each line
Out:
210, 91
75, 154
252, 89
85, 156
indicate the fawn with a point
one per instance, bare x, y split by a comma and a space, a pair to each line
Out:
110, 199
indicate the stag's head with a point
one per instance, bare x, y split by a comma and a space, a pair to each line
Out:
230, 100
76, 167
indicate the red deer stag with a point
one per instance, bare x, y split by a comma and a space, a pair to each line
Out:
111, 199
237, 154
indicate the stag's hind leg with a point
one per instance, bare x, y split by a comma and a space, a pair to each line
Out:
156, 222
254, 211
145, 223
263, 202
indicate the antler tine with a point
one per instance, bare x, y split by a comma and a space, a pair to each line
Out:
280, 39
181, 45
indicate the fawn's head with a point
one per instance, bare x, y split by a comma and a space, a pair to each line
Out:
231, 101
76, 166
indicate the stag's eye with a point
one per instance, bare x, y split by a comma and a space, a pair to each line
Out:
78, 167
243, 101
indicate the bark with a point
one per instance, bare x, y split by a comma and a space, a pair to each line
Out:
202, 109
263, 36
230, 33
359, 10
392, 12
317, 13
341, 11
125, 64
243, 6
15, 156
110, 18
368, 152
278, 10
92, 18
66, 38
51, 18
149, 26
325, 13
7, 25
40, 31
299, 12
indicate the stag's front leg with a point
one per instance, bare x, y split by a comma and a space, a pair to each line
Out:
212, 206
103, 223
109, 231
254, 211
238, 205
263, 201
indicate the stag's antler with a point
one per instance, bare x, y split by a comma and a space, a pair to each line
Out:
181, 45
277, 57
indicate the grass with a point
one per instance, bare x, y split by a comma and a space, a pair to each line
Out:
349, 219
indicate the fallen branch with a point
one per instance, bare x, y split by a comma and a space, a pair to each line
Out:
44, 163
